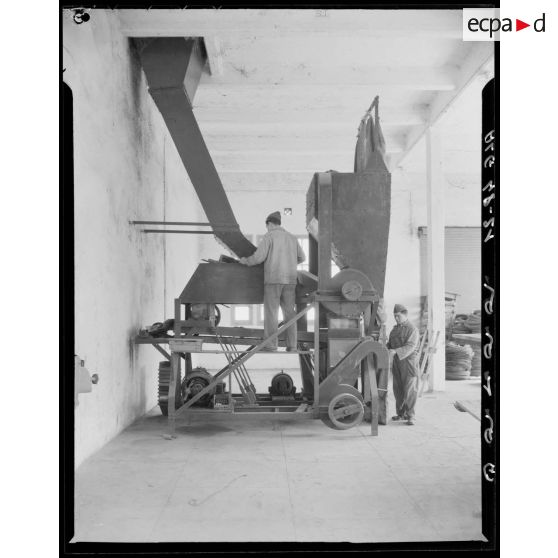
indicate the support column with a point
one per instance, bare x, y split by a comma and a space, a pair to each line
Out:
435, 204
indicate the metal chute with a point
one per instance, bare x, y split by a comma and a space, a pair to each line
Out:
173, 67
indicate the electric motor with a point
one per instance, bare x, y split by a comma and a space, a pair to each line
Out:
282, 385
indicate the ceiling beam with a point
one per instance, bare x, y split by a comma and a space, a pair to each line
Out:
285, 153
283, 161
300, 180
480, 56
214, 58
289, 142
290, 118
287, 146
327, 98
293, 128
286, 23
293, 74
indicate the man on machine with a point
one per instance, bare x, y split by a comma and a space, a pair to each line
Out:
280, 252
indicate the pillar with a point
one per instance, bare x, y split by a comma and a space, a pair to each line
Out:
435, 203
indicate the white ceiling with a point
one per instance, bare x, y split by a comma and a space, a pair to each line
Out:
288, 88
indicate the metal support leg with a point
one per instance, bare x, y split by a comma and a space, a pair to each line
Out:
174, 383
174, 379
162, 351
374, 398
316, 408
382, 382
177, 316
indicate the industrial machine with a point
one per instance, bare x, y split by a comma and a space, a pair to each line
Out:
343, 359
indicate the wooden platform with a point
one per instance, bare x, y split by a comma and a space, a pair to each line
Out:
165, 340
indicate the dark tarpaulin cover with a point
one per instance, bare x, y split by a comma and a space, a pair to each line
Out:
371, 146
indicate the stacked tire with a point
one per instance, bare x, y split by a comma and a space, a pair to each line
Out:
476, 362
473, 321
459, 324
467, 323
458, 361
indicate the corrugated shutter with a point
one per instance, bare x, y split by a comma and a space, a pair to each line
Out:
463, 265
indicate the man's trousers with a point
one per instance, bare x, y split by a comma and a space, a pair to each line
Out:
405, 385
276, 295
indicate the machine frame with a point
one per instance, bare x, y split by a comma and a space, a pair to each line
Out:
173, 67
368, 355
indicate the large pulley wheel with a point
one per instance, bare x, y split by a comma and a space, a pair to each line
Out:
194, 382
351, 284
197, 380
345, 410
201, 311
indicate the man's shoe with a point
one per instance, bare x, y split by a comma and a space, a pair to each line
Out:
268, 350
397, 417
410, 422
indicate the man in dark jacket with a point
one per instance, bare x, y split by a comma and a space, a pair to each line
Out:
403, 345
280, 253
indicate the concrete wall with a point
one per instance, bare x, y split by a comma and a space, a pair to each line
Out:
126, 168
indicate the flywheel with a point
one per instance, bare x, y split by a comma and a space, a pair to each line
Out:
345, 410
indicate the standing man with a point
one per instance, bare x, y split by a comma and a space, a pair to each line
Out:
403, 345
280, 253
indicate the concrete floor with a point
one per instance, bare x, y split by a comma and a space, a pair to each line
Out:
251, 479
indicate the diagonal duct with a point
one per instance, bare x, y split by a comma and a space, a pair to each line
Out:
173, 68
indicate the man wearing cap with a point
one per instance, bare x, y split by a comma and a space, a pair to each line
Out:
403, 345
280, 253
